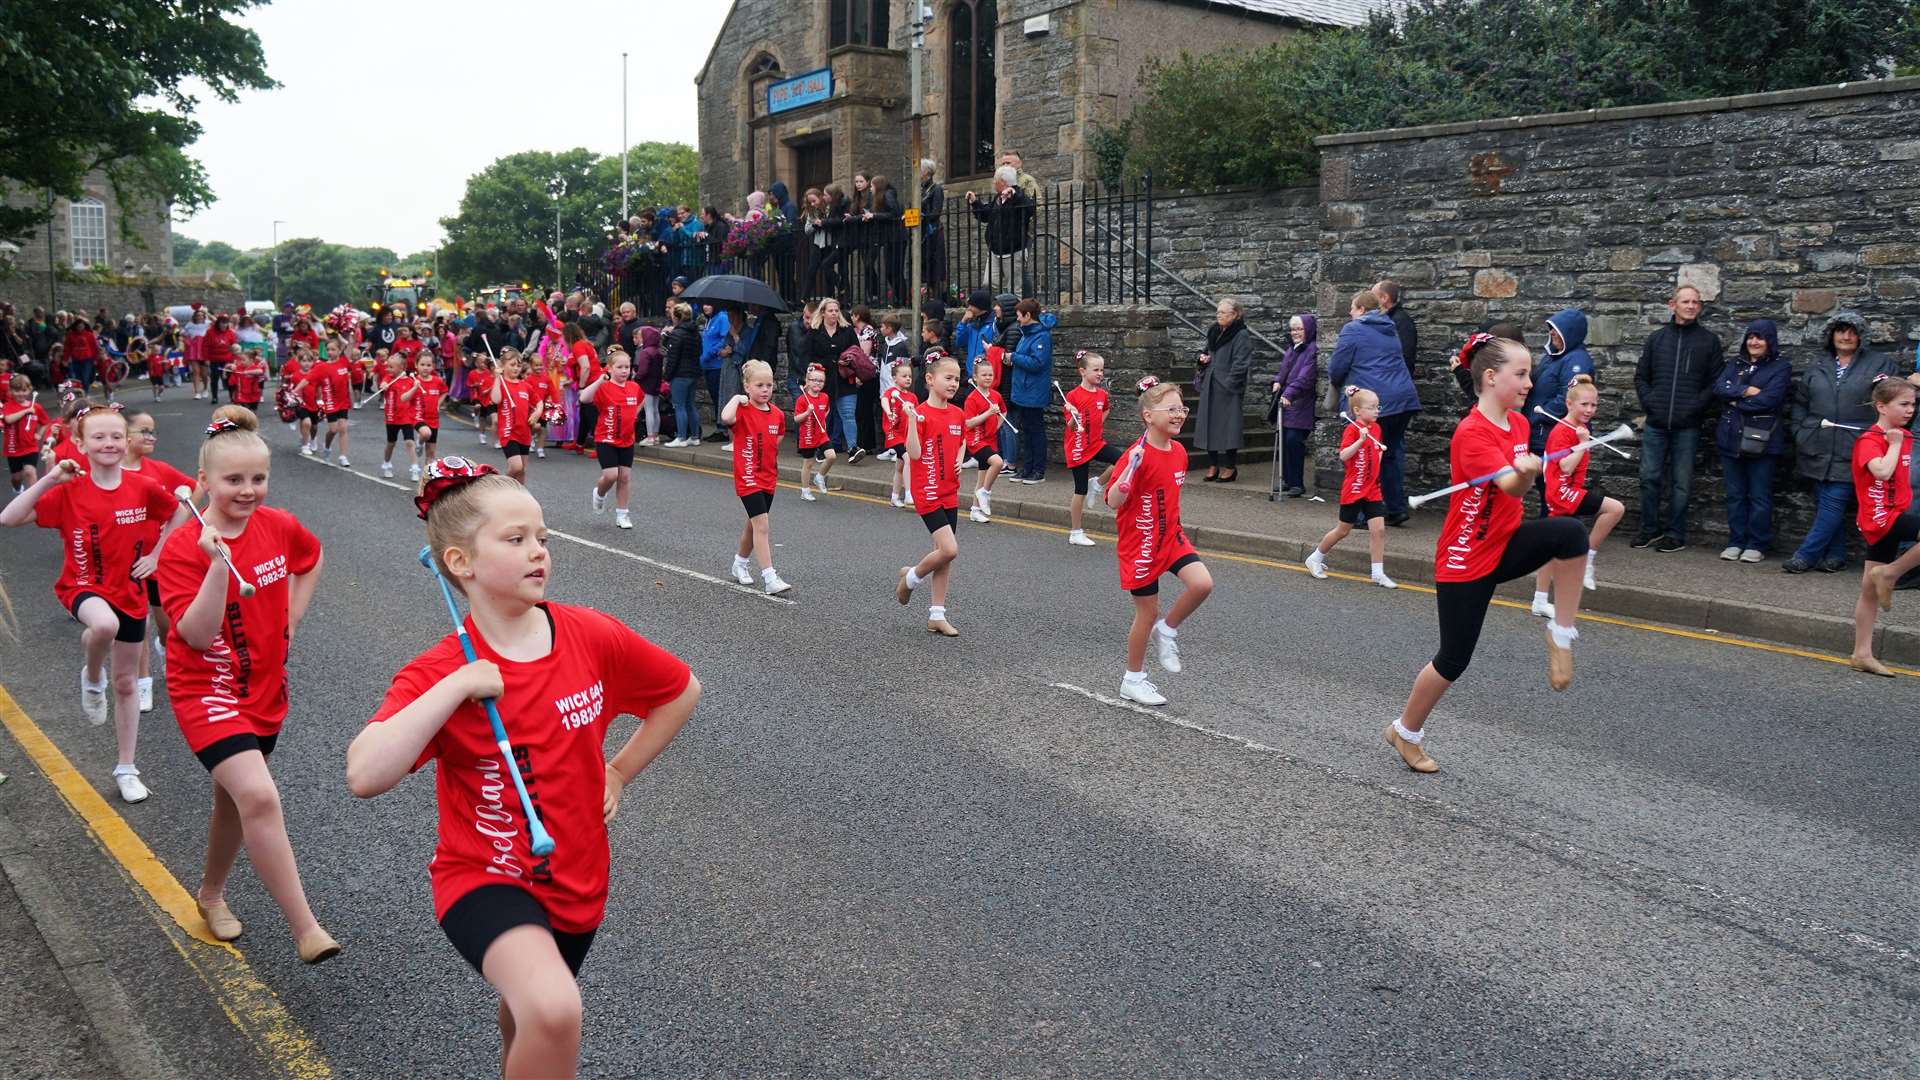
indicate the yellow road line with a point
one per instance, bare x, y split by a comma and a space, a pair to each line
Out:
1254, 560
249, 1003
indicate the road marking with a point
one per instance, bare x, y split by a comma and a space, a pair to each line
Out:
1711, 636
732, 586
249, 1003
1757, 908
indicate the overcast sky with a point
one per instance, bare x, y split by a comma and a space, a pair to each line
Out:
385, 110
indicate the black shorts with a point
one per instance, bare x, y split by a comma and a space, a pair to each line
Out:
220, 751
251, 406
1152, 588
1359, 513
1905, 529
310, 415
337, 417
427, 432
818, 453
485, 414
983, 457
132, 631
476, 921
1589, 507
1463, 604
1106, 455
514, 449
613, 457
153, 590
396, 432
17, 462
944, 517
757, 502
157, 379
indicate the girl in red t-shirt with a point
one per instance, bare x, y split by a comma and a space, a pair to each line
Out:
1567, 493
106, 517
895, 400
612, 400
514, 395
560, 674
983, 410
1483, 541
936, 445
399, 409
142, 436
1145, 499
429, 390
1085, 408
22, 423
756, 470
232, 724
1360, 450
810, 412
1882, 470
480, 380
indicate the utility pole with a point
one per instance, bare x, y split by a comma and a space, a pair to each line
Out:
276, 265
559, 275
623, 136
916, 66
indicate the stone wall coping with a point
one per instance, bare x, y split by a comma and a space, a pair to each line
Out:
1628, 112
1308, 192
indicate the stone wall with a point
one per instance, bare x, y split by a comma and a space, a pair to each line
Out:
27, 289
151, 246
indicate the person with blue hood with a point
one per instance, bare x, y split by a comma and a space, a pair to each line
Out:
1032, 381
1367, 355
1293, 392
716, 349
1565, 357
777, 197
1751, 436
975, 330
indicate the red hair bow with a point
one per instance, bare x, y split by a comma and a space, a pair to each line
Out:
1466, 350
444, 475
219, 425
1148, 383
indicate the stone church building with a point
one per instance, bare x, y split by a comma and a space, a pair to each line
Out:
812, 91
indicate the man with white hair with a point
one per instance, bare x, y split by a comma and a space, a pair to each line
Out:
1006, 214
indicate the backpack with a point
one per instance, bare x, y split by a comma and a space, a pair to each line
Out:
856, 367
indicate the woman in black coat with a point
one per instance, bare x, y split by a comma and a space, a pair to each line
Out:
830, 337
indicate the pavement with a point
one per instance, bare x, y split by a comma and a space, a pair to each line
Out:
875, 852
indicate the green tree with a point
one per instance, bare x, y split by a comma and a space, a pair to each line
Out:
312, 272
658, 174
110, 85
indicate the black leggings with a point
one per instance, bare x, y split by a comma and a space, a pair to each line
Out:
1463, 604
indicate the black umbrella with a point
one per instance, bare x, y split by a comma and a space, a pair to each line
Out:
733, 290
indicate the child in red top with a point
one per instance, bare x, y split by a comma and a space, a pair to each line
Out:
332, 380
756, 470
429, 390
22, 422
247, 378
936, 445
1882, 482
106, 519
1567, 493
1360, 449
154, 360
895, 400
1085, 408
398, 393
142, 436
549, 407
1483, 541
1145, 499
984, 410
480, 380
560, 675
582, 369
614, 399
514, 395
227, 668
810, 412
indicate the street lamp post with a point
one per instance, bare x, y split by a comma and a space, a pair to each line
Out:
916, 66
623, 136
559, 188
276, 263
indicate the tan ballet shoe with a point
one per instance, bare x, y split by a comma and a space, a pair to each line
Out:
221, 922
317, 947
1415, 756
901, 591
941, 627
1559, 663
1869, 665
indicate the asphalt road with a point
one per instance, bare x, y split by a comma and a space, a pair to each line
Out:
874, 852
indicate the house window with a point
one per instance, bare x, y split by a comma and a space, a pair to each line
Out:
87, 232
970, 86
857, 22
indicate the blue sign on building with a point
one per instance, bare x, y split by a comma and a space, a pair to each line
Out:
800, 90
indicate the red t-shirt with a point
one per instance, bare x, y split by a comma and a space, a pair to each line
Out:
102, 534
988, 432
1362, 480
247, 376
309, 337
756, 449
156, 365
22, 437
1083, 443
810, 412
514, 422
400, 409
1881, 501
619, 405
583, 350
65, 450
895, 429
330, 380
1148, 522
556, 711
239, 683
480, 388
935, 478
163, 474
426, 403
407, 347
1479, 519
1565, 490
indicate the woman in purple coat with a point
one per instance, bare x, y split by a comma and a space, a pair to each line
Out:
1293, 393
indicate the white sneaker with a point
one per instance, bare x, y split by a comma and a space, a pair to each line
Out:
306, 450
727, 446
93, 699
1542, 608
1079, 538
1316, 563
977, 516
742, 571
898, 502
621, 520
1730, 552
386, 469
773, 583
984, 500
1169, 651
343, 462
1095, 490
969, 463
1752, 555
695, 441
131, 789
1142, 692
541, 453
596, 501
483, 437
1381, 579
1586, 580
820, 483
413, 472
676, 444
888, 455
146, 695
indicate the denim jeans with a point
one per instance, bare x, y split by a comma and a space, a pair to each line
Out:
712, 377
1033, 440
1009, 449
1749, 501
846, 409
1393, 433
686, 418
1293, 457
1827, 539
1666, 469
81, 371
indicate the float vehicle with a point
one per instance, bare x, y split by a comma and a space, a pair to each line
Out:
498, 296
403, 293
